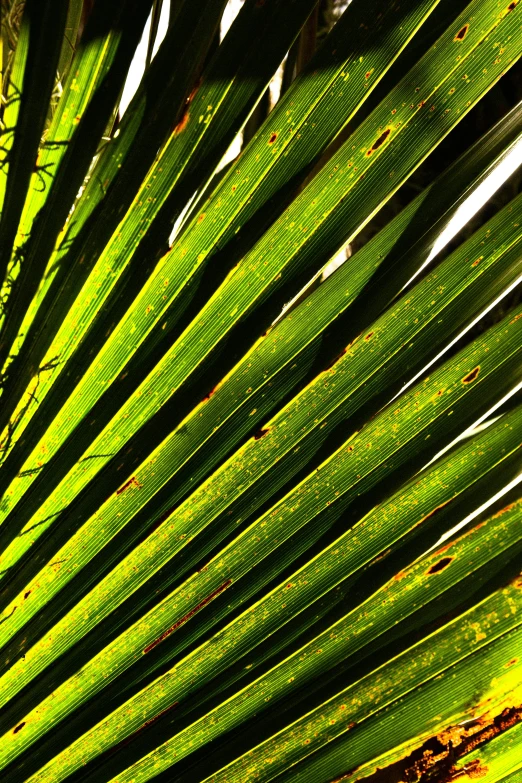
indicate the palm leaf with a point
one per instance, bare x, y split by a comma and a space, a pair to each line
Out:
241, 540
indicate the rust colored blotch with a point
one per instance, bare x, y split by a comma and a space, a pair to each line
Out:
157, 717
382, 138
19, 727
210, 394
436, 509
194, 91
471, 376
473, 770
511, 6
260, 434
367, 74
182, 124
26, 595
132, 482
272, 138
440, 565
201, 217
161, 519
186, 617
512, 662
462, 33
131, 737
369, 336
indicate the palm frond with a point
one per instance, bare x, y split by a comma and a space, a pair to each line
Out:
249, 528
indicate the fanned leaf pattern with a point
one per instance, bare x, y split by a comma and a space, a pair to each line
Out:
241, 541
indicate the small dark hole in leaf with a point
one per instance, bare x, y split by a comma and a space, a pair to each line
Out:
18, 728
471, 376
462, 33
440, 565
382, 138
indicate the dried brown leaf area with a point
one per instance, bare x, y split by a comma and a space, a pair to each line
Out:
437, 759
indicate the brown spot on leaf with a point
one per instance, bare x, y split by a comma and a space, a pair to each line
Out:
26, 595
183, 121
187, 616
194, 91
380, 557
272, 138
472, 770
369, 336
436, 759
127, 740
440, 566
382, 138
261, 434
433, 511
157, 717
132, 482
161, 519
471, 376
210, 394
462, 33
182, 124
19, 727
201, 217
